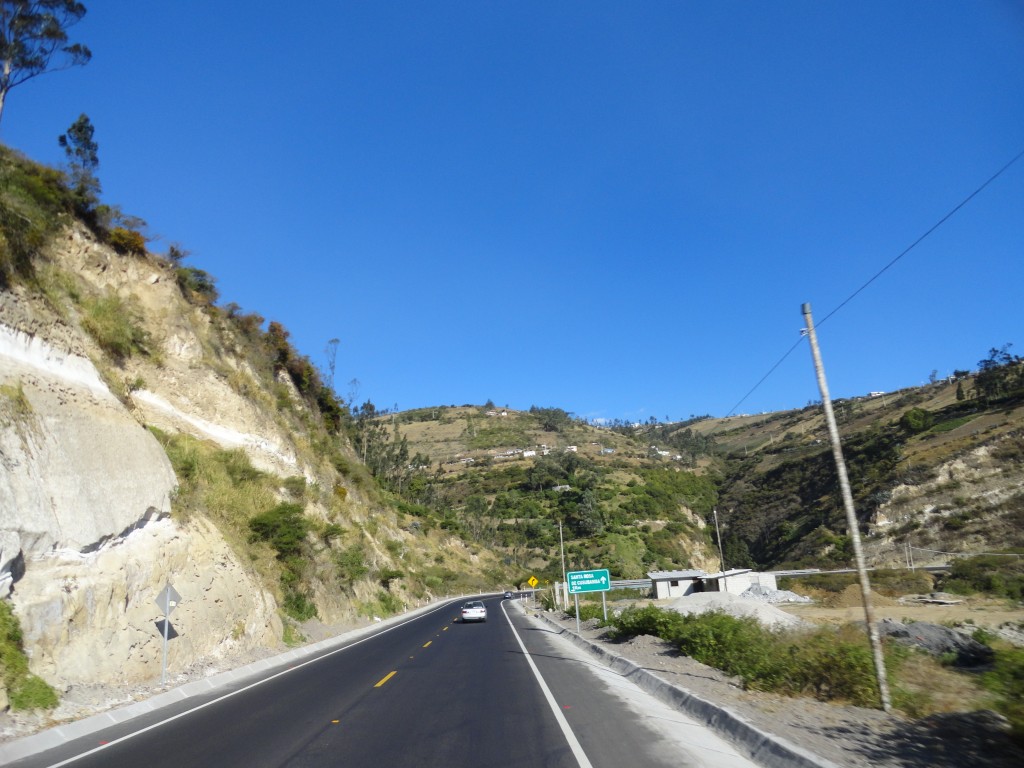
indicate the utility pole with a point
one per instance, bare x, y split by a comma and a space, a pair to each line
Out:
718, 532
565, 584
851, 515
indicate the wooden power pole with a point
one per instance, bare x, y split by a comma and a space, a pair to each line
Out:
851, 516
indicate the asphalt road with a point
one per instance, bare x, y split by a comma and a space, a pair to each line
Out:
428, 692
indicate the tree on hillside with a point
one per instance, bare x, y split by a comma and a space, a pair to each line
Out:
551, 419
999, 374
34, 40
82, 153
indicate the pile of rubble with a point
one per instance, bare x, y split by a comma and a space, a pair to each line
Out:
773, 596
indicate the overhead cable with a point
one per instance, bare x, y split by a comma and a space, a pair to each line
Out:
878, 274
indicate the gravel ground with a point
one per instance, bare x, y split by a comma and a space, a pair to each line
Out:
844, 735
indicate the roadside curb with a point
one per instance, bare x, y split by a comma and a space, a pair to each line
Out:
764, 748
74, 729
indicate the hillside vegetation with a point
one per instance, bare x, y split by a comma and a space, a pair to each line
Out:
937, 467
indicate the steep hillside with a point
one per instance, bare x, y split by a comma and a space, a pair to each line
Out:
149, 437
937, 468
928, 469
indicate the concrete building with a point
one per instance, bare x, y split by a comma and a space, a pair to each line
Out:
675, 583
669, 584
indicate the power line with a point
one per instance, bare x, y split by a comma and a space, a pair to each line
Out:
880, 272
934, 227
762, 380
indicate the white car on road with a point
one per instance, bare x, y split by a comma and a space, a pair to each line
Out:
474, 610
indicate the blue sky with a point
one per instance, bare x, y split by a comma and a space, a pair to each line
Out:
613, 208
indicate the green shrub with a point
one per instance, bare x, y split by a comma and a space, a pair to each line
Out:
17, 404
738, 646
25, 690
127, 241
197, 285
948, 426
351, 564
32, 199
1006, 680
998, 575
387, 575
829, 663
916, 420
291, 636
299, 606
284, 527
833, 666
331, 531
32, 692
648, 620
391, 604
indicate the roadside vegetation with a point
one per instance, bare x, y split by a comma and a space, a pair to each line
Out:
25, 691
998, 575
829, 663
245, 505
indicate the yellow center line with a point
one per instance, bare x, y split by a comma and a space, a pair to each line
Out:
427, 643
445, 629
384, 679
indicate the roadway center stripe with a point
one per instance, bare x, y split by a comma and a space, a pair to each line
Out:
237, 691
384, 679
427, 643
574, 744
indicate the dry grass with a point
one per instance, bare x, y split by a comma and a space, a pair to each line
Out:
925, 687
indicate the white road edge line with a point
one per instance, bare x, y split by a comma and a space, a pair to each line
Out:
574, 744
219, 699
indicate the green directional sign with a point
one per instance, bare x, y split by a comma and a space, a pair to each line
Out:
589, 581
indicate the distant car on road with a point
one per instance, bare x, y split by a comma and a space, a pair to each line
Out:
508, 595
474, 610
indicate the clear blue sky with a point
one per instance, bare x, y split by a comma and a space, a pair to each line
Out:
616, 208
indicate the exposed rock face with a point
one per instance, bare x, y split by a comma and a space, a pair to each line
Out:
78, 470
92, 617
976, 486
86, 542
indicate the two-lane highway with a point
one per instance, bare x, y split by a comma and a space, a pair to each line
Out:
428, 692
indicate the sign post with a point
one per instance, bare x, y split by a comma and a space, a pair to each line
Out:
166, 601
588, 581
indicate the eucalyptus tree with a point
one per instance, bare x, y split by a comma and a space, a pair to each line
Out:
34, 40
